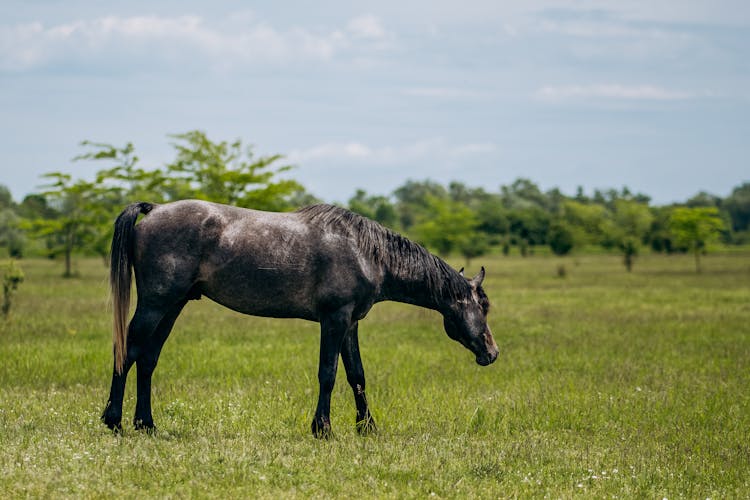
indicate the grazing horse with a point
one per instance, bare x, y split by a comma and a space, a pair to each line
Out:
321, 263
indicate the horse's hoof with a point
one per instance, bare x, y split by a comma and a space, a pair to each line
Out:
366, 426
142, 425
321, 428
116, 428
112, 421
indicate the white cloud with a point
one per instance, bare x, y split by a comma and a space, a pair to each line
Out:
367, 26
436, 148
611, 91
181, 39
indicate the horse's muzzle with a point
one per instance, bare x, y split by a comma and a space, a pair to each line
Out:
489, 357
491, 351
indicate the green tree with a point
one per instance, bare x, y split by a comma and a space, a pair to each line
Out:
585, 221
561, 238
696, 227
523, 194
11, 234
377, 208
627, 228
6, 199
79, 210
737, 206
450, 226
529, 226
227, 173
125, 178
414, 200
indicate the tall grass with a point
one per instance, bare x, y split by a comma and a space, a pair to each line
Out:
608, 384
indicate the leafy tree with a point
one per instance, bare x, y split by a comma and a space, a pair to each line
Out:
737, 206
79, 211
704, 199
529, 225
227, 173
377, 208
585, 221
450, 226
560, 237
659, 236
627, 228
493, 218
11, 234
6, 199
523, 194
695, 227
125, 178
414, 201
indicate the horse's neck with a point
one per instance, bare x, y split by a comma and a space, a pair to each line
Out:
414, 286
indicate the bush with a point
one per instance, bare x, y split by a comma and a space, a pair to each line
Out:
560, 239
12, 277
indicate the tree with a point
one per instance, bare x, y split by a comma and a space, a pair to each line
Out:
585, 221
414, 199
529, 225
11, 234
627, 227
125, 178
695, 227
6, 199
227, 173
737, 206
560, 237
377, 208
523, 194
450, 226
493, 219
79, 212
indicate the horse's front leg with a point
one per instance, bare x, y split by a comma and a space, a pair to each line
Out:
333, 328
355, 375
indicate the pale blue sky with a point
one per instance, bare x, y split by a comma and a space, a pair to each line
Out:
654, 95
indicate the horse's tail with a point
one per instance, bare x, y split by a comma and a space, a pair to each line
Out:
121, 265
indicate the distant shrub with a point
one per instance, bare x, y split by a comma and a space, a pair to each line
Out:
12, 277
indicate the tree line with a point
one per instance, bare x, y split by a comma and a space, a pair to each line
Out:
75, 216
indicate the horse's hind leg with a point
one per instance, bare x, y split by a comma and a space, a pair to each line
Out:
143, 324
355, 375
112, 415
147, 332
146, 361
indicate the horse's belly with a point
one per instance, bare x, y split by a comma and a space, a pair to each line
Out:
262, 293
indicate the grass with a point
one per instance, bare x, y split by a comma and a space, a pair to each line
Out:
609, 384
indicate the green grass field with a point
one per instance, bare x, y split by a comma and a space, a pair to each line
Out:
608, 384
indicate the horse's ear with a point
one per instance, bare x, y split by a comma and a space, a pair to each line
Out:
461, 272
477, 280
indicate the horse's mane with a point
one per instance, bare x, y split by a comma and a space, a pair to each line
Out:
400, 256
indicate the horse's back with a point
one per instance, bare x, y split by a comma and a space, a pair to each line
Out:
255, 262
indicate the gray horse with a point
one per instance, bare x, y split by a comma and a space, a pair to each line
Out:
321, 263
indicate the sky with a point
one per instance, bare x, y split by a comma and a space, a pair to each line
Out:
652, 95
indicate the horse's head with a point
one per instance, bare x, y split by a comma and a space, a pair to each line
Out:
465, 321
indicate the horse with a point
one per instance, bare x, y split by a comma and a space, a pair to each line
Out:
321, 263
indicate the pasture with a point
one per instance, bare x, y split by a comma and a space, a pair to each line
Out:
608, 384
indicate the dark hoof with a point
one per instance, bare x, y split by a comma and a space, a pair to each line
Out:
114, 427
141, 425
366, 426
112, 420
321, 428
